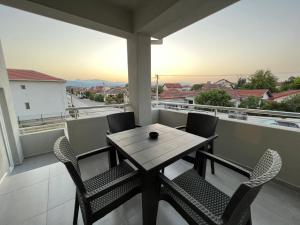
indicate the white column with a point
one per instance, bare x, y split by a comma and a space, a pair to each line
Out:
139, 76
10, 129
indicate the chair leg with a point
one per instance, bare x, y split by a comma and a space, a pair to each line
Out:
112, 158
163, 170
212, 163
249, 222
76, 208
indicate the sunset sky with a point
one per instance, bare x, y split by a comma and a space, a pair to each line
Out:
244, 37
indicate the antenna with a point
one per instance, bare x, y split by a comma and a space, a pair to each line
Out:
157, 77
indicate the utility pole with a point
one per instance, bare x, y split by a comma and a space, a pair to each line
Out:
156, 76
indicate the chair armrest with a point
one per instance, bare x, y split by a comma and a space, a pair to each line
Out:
136, 125
212, 138
207, 215
108, 132
111, 185
94, 152
226, 163
180, 127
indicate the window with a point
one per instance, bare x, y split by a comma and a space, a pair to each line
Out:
23, 87
27, 106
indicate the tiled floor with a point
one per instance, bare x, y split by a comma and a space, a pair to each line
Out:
38, 194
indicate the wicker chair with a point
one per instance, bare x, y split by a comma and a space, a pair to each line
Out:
205, 126
103, 193
118, 122
200, 203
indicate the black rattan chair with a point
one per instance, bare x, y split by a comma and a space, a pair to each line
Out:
201, 203
103, 193
205, 126
118, 122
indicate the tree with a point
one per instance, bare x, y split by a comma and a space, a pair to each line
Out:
196, 87
241, 83
99, 98
262, 79
290, 83
119, 98
215, 97
291, 104
91, 96
251, 102
87, 94
160, 89
296, 83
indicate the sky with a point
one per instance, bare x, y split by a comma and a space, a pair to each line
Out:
234, 42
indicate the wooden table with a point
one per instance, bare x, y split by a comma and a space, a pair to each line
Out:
150, 156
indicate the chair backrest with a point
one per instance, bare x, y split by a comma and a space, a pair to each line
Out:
65, 154
201, 124
118, 122
238, 209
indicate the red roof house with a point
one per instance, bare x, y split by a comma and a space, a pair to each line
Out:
30, 75
278, 97
168, 86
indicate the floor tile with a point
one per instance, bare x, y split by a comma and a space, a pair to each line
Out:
58, 169
24, 204
61, 190
37, 220
62, 215
21, 180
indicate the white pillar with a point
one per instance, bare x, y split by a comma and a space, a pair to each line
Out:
10, 129
139, 76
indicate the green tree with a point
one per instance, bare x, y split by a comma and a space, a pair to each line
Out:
214, 97
119, 98
296, 83
160, 89
251, 102
262, 79
241, 83
99, 98
196, 87
292, 104
289, 84
91, 96
87, 94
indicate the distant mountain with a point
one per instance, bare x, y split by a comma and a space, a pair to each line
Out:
93, 83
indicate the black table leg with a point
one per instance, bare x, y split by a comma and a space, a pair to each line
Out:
150, 198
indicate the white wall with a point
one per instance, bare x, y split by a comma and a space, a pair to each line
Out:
47, 98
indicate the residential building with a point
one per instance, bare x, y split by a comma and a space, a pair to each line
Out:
224, 83
175, 95
170, 86
37, 95
281, 96
240, 94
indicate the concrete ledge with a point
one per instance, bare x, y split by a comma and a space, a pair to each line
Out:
39, 142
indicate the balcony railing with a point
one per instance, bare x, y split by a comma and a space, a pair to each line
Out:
216, 109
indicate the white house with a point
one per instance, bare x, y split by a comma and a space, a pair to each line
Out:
224, 83
36, 94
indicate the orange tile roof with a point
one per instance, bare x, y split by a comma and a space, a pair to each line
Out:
285, 94
173, 85
174, 94
30, 75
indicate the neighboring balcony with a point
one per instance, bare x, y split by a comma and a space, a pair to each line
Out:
40, 190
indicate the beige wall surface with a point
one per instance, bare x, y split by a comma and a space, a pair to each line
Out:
244, 143
87, 134
40, 142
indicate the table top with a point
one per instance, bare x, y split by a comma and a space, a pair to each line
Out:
149, 154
